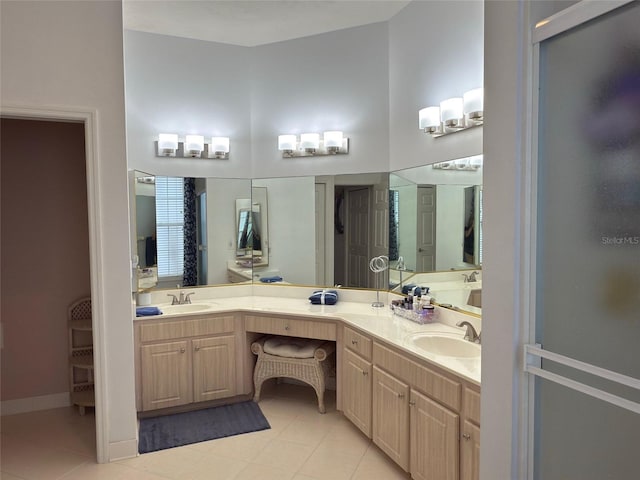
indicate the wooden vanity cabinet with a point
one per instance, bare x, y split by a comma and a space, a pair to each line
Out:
183, 361
357, 379
391, 416
434, 439
470, 438
426, 420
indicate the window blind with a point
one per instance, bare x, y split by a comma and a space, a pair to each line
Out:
170, 226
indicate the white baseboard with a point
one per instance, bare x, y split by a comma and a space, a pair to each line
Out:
123, 450
32, 404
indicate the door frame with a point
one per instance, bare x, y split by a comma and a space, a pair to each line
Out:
89, 117
561, 22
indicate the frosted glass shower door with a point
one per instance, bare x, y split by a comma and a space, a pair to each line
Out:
587, 247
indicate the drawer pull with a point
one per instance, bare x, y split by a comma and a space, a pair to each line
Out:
365, 373
354, 342
182, 350
466, 436
286, 327
412, 403
400, 395
196, 349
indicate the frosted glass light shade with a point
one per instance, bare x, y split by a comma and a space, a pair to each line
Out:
451, 110
461, 163
286, 142
429, 118
220, 144
474, 102
476, 161
167, 142
310, 141
194, 144
333, 139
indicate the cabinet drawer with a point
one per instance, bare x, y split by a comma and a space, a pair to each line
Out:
190, 327
437, 386
291, 327
472, 405
358, 343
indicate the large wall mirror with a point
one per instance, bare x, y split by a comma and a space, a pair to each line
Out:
314, 230
318, 231
435, 229
437, 212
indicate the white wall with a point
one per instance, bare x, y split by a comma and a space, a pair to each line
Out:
69, 55
435, 52
333, 81
185, 86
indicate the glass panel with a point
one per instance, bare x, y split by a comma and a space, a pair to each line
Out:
588, 279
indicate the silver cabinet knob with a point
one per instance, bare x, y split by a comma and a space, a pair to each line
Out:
412, 403
466, 436
354, 342
365, 373
401, 395
197, 349
286, 327
182, 350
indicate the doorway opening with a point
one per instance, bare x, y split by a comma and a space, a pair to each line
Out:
45, 254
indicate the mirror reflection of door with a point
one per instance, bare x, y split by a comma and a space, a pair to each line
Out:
426, 229
357, 229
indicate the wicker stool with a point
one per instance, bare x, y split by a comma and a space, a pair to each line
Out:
312, 370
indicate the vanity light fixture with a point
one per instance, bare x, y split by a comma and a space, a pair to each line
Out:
310, 142
454, 114
451, 113
167, 145
460, 164
474, 106
333, 143
429, 120
193, 146
219, 148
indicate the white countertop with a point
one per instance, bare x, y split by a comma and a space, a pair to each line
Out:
380, 323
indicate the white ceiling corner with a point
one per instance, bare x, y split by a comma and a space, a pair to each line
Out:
253, 22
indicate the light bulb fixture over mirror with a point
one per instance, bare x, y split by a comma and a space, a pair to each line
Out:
193, 146
460, 164
310, 145
453, 114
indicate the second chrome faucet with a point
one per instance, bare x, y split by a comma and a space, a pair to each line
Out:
471, 334
182, 299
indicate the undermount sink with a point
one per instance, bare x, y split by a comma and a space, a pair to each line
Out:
186, 308
445, 345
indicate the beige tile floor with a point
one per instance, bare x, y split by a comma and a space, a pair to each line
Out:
301, 445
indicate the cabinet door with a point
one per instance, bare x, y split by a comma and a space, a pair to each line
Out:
356, 395
214, 372
434, 440
470, 451
166, 375
391, 416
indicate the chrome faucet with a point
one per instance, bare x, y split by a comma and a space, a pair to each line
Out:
471, 277
182, 300
471, 334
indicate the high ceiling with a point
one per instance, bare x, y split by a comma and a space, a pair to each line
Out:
253, 22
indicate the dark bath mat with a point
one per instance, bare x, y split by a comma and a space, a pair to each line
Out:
167, 431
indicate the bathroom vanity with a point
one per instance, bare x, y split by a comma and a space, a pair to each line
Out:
421, 408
